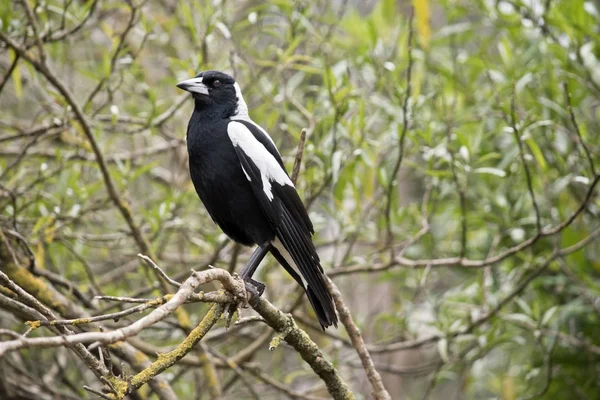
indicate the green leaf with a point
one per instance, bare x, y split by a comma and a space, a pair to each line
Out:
491, 171
537, 153
388, 10
422, 18
548, 315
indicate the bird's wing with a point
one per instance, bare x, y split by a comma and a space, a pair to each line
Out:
287, 192
282, 207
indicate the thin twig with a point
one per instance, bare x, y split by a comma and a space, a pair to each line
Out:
299, 154
36, 32
97, 392
160, 272
379, 391
513, 118
577, 130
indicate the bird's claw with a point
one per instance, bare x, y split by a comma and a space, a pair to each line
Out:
255, 288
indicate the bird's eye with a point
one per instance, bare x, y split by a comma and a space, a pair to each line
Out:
217, 83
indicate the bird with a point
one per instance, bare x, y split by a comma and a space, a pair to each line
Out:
239, 175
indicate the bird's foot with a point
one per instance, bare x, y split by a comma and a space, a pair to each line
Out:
255, 288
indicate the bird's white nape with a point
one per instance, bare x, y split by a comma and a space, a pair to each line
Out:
242, 107
241, 111
269, 168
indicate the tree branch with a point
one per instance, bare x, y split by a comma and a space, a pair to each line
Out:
234, 285
308, 350
379, 391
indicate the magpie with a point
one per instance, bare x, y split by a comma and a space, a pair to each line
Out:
240, 178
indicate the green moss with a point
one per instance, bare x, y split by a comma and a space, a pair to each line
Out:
120, 386
165, 360
81, 321
33, 324
36, 287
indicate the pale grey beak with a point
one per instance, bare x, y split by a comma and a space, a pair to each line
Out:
193, 85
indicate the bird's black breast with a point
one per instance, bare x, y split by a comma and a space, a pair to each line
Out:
221, 184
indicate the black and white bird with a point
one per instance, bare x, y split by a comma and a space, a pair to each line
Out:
239, 176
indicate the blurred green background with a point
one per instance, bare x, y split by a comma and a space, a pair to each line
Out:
428, 149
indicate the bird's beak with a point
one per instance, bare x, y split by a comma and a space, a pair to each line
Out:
193, 85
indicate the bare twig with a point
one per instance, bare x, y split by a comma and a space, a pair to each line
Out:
577, 130
513, 119
64, 33
114, 316
35, 30
97, 392
379, 391
299, 153
160, 272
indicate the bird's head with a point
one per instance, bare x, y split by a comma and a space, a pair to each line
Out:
217, 91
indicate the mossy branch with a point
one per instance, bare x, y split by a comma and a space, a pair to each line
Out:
283, 324
232, 284
166, 360
287, 330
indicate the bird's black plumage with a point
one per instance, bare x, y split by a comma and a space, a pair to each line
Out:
240, 177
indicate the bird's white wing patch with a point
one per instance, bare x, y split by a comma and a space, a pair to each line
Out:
269, 168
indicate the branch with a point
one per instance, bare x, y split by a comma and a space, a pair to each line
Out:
379, 391
577, 130
301, 342
513, 120
266, 378
166, 360
410, 344
33, 306
62, 34
299, 154
534, 273
234, 285
401, 261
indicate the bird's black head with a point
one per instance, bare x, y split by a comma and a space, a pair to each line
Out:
215, 92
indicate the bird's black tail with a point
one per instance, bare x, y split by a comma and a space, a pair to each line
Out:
327, 317
302, 262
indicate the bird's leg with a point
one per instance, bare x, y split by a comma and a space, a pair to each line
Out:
254, 287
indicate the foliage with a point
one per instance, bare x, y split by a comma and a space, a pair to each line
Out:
456, 205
